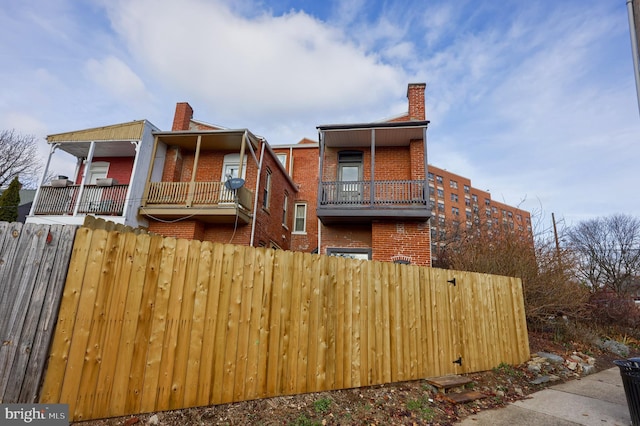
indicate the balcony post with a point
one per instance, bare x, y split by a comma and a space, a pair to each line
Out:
372, 188
192, 184
85, 175
36, 197
147, 185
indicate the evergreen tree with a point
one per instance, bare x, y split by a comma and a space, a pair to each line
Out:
9, 201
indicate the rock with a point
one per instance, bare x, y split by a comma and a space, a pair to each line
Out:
518, 391
615, 347
553, 378
534, 368
556, 359
588, 369
500, 394
153, 420
540, 380
571, 365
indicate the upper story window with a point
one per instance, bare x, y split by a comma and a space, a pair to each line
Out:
439, 180
453, 184
266, 191
440, 193
231, 166
282, 158
285, 206
475, 198
430, 176
454, 197
467, 189
349, 166
300, 220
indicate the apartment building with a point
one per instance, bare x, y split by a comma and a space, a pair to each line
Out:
455, 203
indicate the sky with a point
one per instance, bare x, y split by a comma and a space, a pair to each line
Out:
534, 101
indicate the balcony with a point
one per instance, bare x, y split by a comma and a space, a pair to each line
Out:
361, 201
206, 201
95, 200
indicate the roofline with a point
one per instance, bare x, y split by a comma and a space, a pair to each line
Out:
297, 145
209, 132
153, 128
415, 123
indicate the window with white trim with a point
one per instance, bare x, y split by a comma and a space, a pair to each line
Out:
284, 209
266, 191
300, 221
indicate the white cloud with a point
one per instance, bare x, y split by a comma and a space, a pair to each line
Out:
260, 68
115, 77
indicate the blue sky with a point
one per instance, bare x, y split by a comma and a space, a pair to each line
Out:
533, 100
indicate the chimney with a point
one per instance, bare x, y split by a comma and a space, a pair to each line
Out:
182, 117
415, 94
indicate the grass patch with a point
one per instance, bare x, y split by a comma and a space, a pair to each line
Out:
422, 407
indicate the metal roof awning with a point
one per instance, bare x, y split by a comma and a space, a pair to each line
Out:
386, 134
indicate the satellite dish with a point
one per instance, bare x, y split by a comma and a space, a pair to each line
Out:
234, 183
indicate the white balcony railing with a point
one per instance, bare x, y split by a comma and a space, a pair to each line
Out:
99, 200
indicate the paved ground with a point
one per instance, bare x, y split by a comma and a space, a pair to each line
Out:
598, 399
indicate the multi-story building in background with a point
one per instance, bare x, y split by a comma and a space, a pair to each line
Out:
363, 190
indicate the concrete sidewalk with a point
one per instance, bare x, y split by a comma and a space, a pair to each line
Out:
597, 399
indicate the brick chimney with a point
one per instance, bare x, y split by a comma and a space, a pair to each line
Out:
415, 94
182, 117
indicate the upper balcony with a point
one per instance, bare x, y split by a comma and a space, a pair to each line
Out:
205, 201
70, 200
374, 171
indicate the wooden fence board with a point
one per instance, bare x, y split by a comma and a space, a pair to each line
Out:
150, 323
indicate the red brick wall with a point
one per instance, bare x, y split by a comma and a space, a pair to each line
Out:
404, 240
305, 175
189, 229
119, 168
345, 236
182, 116
415, 94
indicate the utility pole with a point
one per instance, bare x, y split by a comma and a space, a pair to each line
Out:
633, 10
555, 233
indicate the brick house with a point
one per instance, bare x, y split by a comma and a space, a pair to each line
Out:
109, 177
189, 192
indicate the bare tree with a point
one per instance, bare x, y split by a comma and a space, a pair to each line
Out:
546, 272
19, 158
608, 251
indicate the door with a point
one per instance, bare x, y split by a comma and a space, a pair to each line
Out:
93, 195
350, 177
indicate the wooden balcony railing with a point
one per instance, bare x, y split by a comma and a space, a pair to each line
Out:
202, 194
385, 193
99, 200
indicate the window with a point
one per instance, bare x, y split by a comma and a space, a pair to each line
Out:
439, 180
432, 205
466, 189
283, 159
468, 213
266, 190
487, 202
441, 221
231, 165
454, 197
300, 224
350, 253
350, 172
467, 201
440, 206
431, 191
475, 198
440, 193
455, 211
453, 184
430, 176
284, 209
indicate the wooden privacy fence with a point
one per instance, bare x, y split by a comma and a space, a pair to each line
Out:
150, 323
33, 268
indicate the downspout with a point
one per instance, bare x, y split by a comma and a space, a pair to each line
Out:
634, 49
44, 176
255, 201
373, 167
85, 171
425, 189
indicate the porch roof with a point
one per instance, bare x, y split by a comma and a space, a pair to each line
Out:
386, 134
111, 141
226, 139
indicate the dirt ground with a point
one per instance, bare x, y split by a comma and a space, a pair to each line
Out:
405, 403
